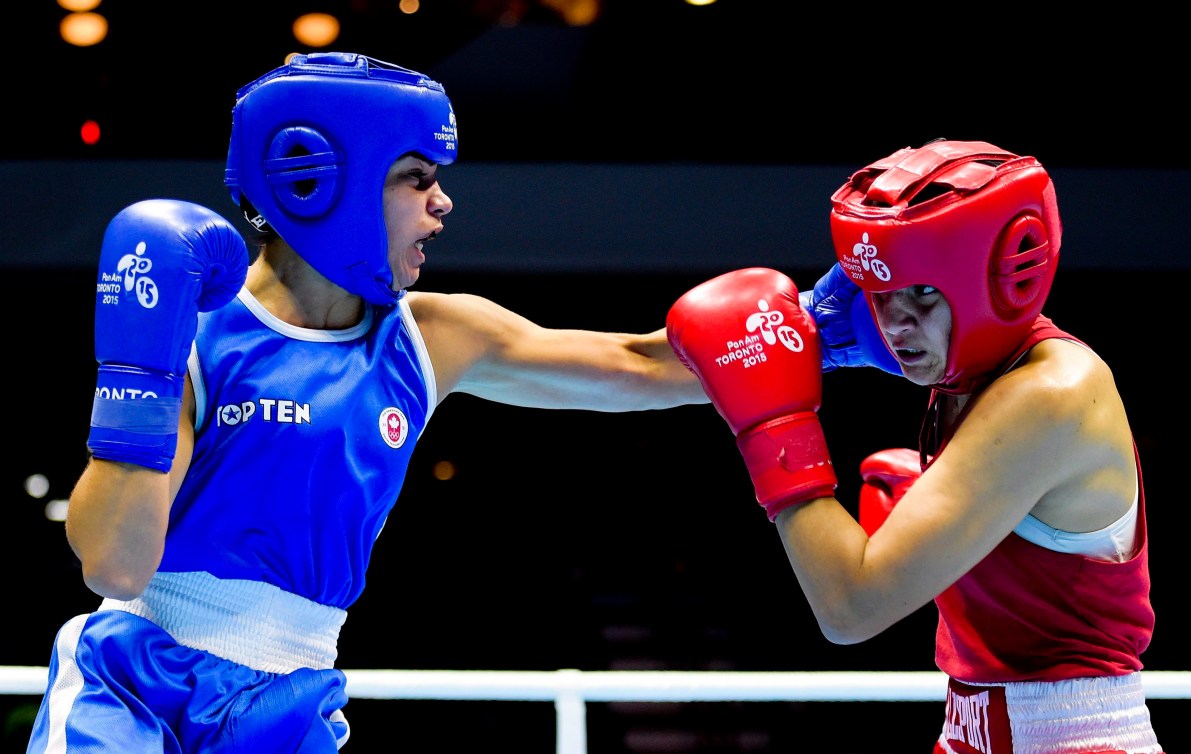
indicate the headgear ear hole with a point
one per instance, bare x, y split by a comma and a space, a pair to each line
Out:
304, 171
1020, 265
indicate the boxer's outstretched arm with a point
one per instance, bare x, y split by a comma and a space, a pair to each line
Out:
481, 348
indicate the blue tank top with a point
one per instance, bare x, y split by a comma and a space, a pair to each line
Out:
302, 441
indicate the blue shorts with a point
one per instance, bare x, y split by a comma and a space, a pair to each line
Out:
119, 682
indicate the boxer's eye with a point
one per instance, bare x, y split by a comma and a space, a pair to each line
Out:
422, 179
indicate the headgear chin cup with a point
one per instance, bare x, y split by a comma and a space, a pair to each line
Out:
311, 145
976, 222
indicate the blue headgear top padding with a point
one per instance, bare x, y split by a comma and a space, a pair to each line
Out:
311, 144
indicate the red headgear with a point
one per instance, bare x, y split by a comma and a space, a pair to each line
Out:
976, 222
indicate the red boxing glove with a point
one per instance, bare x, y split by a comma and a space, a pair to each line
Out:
887, 475
756, 352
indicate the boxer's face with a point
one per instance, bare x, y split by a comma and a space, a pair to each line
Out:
916, 323
414, 205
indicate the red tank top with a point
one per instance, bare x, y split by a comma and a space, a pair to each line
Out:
1026, 613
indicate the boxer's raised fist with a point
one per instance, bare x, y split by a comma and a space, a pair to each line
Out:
756, 353
887, 475
162, 262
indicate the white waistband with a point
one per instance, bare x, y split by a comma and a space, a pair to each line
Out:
249, 622
1095, 712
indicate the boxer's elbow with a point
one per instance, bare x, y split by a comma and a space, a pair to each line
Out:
849, 623
115, 571
844, 634
115, 580
119, 544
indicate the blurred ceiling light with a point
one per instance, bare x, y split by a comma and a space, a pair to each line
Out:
316, 29
55, 510
78, 6
89, 132
699, 2
83, 29
409, 6
36, 485
575, 12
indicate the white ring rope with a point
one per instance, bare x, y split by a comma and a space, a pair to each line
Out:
646, 686
641, 686
571, 689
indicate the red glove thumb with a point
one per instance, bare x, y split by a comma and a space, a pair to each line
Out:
887, 475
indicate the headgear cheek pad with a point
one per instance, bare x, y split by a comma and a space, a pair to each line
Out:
311, 145
976, 222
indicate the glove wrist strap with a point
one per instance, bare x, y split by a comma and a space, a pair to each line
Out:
134, 418
788, 461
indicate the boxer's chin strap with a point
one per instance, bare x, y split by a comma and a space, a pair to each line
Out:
253, 217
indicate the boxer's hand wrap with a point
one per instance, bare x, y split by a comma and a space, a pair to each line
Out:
847, 333
162, 262
756, 353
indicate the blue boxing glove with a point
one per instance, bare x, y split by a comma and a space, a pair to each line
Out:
848, 336
162, 262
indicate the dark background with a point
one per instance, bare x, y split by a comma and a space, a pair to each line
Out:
737, 81
585, 540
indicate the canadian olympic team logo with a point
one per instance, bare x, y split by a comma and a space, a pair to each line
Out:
394, 427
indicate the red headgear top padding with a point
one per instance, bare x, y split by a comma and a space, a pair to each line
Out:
976, 222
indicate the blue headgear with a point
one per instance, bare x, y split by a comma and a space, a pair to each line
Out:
311, 144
